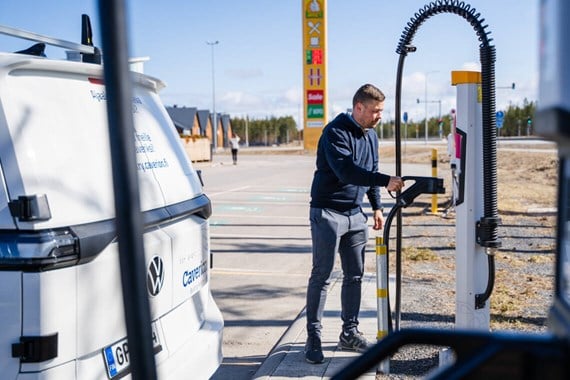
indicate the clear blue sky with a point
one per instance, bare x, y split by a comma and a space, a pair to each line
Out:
258, 61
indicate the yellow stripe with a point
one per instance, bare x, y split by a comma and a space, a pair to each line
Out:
465, 77
382, 293
381, 334
380, 246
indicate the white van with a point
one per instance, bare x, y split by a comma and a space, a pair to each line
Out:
61, 302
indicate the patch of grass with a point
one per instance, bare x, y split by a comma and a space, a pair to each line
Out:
504, 301
418, 254
512, 295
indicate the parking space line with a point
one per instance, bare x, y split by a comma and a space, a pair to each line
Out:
228, 191
243, 236
281, 203
241, 216
230, 271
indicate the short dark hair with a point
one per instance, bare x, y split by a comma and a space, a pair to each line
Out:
368, 92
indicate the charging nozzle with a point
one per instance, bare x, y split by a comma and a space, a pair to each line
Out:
422, 185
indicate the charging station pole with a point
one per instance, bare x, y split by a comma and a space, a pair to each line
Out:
471, 260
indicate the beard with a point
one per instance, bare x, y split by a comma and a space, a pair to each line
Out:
372, 124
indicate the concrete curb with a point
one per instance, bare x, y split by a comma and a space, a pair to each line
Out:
286, 359
279, 352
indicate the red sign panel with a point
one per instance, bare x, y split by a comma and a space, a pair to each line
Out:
315, 96
317, 57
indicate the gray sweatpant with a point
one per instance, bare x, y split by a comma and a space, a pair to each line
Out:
331, 232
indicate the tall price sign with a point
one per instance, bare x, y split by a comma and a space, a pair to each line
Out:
314, 71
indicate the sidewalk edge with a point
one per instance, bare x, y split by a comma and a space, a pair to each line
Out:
278, 353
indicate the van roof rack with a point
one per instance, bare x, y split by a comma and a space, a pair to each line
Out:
90, 53
46, 39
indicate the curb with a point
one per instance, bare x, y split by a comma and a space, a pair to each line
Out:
279, 352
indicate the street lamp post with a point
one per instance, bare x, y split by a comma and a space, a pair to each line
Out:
431, 101
215, 122
246, 131
426, 102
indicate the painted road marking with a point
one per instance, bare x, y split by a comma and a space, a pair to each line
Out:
230, 271
238, 208
229, 191
259, 216
242, 236
218, 202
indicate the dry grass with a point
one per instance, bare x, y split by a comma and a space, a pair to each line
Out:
526, 178
418, 254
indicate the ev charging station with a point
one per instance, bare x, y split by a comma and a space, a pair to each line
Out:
474, 179
474, 261
474, 175
471, 269
479, 353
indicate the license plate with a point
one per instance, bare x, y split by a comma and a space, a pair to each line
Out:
117, 355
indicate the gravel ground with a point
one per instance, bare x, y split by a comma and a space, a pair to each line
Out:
523, 286
524, 280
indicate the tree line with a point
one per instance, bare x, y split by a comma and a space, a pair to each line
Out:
517, 121
266, 132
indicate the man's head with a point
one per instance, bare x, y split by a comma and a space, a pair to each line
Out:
367, 106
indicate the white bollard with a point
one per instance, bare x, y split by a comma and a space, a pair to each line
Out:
382, 296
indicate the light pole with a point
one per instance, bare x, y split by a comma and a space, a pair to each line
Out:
215, 124
246, 130
431, 101
426, 102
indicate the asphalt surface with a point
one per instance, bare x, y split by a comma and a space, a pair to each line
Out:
261, 253
260, 243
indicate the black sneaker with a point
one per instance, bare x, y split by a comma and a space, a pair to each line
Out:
313, 350
353, 341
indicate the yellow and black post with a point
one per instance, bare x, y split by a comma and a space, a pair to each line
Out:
434, 209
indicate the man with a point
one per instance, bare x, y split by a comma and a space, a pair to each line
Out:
347, 167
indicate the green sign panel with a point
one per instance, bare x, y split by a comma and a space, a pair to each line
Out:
315, 111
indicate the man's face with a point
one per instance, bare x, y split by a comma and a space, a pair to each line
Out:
369, 113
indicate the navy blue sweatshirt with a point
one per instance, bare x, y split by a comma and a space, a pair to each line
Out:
347, 167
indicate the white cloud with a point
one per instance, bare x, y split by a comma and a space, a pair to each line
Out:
294, 95
288, 102
471, 66
238, 100
244, 73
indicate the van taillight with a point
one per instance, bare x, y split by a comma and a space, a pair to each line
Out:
96, 81
39, 250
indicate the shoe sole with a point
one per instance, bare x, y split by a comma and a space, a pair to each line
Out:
353, 349
314, 362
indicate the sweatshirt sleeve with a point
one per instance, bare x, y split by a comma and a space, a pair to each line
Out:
339, 157
373, 192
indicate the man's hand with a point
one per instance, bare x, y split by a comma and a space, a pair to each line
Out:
395, 184
378, 220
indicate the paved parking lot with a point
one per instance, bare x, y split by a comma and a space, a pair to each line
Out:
260, 240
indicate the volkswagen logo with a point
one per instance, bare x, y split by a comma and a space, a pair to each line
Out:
155, 276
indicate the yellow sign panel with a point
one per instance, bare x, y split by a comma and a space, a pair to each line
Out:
468, 77
314, 71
